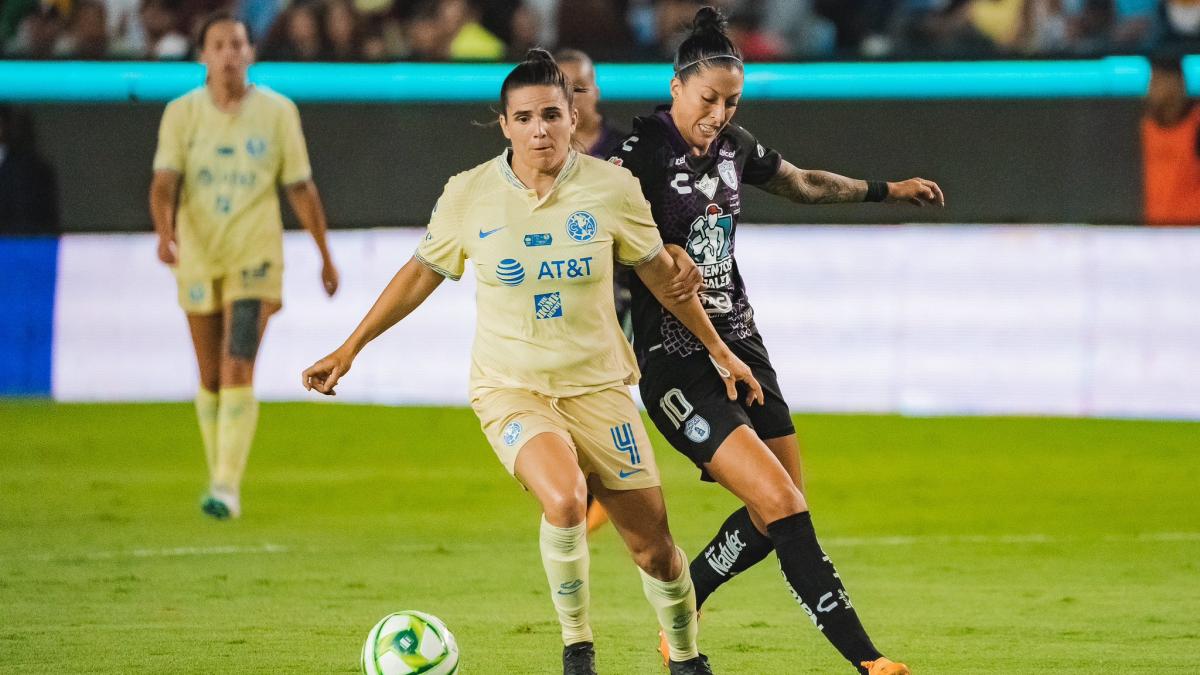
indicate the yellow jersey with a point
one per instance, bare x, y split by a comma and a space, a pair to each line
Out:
231, 164
545, 316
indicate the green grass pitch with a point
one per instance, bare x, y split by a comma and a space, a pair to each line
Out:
968, 545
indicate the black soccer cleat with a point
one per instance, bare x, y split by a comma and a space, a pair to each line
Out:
696, 666
580, 659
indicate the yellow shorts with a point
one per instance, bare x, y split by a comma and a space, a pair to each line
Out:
207, 295
603, 429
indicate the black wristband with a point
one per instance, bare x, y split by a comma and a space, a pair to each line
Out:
877, 191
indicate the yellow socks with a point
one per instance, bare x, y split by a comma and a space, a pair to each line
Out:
675, 604
565, 557
237, 420
206, 414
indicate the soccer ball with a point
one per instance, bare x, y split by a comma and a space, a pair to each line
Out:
410, 642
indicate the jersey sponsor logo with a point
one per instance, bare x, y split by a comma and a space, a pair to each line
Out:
708, 244
510, 272
724, 555
727, 153
616, 160
680, 184
707, 185
256, 146
571, 268
680, 160
539, 239
625, 442
581, 226
484, 234
728, 172
547, 305
512, 433
697, 429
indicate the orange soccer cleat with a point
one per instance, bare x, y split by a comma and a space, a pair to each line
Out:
882, 666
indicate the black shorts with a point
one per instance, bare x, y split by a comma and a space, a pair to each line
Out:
686, 400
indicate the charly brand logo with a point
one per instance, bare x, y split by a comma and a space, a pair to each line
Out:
510, 272
722, 556
512, 433
547, 305
581, 226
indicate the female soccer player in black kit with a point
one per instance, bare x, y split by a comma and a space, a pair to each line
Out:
692, 162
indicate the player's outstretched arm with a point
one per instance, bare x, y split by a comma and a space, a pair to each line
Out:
658, 274
164, 194
406, 291
805, 186
306, 203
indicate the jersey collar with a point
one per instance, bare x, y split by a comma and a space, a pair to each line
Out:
505, 168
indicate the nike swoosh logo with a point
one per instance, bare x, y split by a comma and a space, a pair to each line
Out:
626, 474
488, 233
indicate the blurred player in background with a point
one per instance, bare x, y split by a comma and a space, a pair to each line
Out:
692, 162
543, 227
597, 138
223, 149
1170, 148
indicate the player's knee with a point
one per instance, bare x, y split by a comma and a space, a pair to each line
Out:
566, 508
210, 382
780, 502
236, 372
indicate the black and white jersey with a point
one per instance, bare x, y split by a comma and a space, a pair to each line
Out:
696, 202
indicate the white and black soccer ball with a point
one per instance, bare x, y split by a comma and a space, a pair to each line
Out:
410, 643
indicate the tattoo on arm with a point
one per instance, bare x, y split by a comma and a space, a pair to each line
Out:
815, 187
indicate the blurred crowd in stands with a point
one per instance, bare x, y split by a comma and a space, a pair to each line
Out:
611, 30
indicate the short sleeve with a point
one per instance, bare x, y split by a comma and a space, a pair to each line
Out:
635, 234
295, 167
762, 163
171, 153
441, 249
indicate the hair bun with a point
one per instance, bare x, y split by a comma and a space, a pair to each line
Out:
708, 19
538, 55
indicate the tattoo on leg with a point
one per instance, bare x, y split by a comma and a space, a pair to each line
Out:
243, 330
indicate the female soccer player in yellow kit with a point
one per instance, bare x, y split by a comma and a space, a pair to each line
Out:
223, 148
543, 226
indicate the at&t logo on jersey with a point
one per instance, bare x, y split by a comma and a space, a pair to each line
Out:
581, 226
510, 272
547, 305
572, 268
